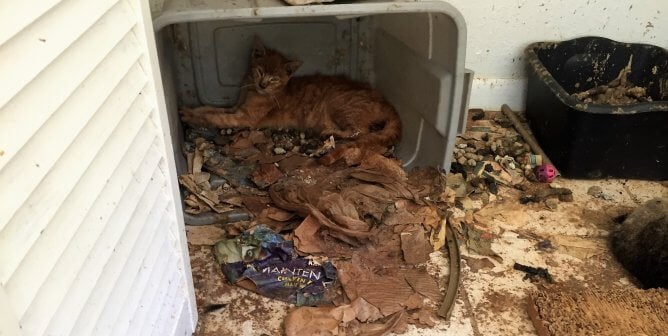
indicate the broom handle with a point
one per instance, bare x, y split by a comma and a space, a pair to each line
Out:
524, 133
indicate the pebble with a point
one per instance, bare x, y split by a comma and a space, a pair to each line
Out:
302, 135
472, 162
552, 203
462, 145
279, 151
469, 150
555, 185
461, 160
228, 131
471, 156
595, 191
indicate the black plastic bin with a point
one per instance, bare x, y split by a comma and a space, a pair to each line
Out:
594, 140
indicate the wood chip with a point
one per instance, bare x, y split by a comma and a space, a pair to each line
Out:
415, 245
204, 235
266, 175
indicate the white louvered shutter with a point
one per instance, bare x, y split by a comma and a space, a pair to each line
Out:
91, 240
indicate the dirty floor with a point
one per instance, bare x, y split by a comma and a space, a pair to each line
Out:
568, 239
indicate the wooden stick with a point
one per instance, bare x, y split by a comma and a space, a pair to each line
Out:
525, 134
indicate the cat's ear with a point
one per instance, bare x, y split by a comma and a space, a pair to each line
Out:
292, 66
258, 48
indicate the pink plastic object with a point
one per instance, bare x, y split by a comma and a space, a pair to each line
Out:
546, 173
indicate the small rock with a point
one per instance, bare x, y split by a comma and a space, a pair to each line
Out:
555, 185
302, 135
471, 156
469, 150
279, 151
484, 151
477, 114
595, 191
471, 162
461, 160
462, 145
566, 197
552, 203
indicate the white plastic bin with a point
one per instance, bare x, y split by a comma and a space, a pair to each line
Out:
413, 52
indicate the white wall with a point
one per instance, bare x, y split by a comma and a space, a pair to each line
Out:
498, 32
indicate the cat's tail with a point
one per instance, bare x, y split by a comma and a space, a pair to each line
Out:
376, 141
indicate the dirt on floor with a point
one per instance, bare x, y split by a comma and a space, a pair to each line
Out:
497, 228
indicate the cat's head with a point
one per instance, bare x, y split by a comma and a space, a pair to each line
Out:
270, 70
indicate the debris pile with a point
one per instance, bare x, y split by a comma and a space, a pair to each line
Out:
339, 236
619, 91
491, 153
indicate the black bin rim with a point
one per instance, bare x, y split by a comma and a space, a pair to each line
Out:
544, 74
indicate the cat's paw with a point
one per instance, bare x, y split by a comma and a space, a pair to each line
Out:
195, 116
187, 115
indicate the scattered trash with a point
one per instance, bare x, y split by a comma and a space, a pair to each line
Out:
533, 273
346, 235
296, 219
264, 262
480, 242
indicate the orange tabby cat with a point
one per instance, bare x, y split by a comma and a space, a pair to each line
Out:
328, 105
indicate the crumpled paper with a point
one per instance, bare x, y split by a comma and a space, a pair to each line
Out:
263, 262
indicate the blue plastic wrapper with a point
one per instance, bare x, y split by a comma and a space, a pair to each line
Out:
273, 267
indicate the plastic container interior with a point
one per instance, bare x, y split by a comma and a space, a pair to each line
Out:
412, 52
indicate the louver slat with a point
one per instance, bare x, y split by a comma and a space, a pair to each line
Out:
24, 114
91, 242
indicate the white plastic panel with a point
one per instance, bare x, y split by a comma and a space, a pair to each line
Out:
88, 176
